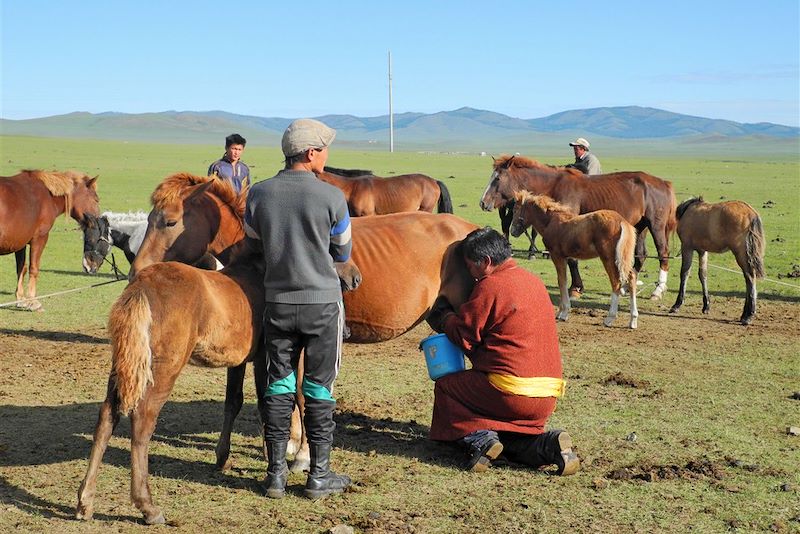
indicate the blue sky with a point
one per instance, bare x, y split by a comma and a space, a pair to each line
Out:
735, 60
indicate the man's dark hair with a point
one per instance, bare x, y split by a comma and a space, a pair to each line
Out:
485, 242
235, 139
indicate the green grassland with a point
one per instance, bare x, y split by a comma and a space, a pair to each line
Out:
130, 171
711, 402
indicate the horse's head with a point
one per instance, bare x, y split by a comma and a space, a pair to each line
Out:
189, 220
84, 200
518, 222
499, 190
96, 242
456, 281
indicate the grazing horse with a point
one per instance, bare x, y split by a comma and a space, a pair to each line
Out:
602, 233
373, 195
397, 292
122, 230
30, 202
731, 225
645, 201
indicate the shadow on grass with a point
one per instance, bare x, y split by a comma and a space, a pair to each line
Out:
54, 335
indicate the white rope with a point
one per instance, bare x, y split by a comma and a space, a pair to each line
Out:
60, 292
765, 279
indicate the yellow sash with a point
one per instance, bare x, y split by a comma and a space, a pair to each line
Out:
536, 386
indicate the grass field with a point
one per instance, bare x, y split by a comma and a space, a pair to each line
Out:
709, 400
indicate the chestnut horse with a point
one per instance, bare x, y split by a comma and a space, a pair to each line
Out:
30, 202
645, 201
373, 195
602, 233
395, 296
731, 225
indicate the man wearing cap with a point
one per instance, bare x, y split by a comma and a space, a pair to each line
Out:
585, 161
303, 227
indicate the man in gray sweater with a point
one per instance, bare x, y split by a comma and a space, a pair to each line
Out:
303, 226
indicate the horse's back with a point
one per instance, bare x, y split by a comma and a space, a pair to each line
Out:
207, 313
21, 218
716, 227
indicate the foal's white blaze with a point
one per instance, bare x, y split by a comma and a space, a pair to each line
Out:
487, 207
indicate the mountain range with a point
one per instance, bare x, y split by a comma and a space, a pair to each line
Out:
461, 129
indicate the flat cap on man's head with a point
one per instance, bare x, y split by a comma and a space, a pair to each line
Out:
305, 134
580, 142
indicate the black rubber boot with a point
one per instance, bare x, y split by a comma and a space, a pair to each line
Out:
553, 447
277, 471
321, 480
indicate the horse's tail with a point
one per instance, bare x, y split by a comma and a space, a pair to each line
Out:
626, 249
445, 203
755, 243
131, 357
672, 218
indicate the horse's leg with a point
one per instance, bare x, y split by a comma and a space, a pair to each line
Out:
106, 423
750, 285
686, 266
610, 265
302, 458
634, 309
143, 423
37, 247
576, 289
532, 250
662, 247
260, 379
234, 398
561, 272
702, 272
22, 270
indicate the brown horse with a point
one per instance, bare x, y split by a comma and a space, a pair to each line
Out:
373, 195
731, 225
645, 201
184, 201
602, 233
30, 202
398, 292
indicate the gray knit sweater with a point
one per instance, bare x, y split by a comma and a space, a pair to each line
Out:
304, 226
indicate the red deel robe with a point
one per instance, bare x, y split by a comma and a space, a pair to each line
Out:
507, 327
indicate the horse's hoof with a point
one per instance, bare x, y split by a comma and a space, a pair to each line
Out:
575, 294
673, 310
84, 513
633, 324
227, 465
608, 322
155, 519
300, 465
746, 320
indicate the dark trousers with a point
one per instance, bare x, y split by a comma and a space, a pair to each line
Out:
290, 330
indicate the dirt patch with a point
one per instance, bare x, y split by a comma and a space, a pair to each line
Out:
693, 470
619, 379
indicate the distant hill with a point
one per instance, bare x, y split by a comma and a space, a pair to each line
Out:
460, 129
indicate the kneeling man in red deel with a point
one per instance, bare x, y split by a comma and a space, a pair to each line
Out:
507, 329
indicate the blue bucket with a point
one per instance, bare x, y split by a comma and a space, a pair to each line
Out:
441, 356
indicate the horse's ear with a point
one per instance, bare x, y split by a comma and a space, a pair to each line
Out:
92, 182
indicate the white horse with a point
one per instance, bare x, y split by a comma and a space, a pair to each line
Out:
125, 231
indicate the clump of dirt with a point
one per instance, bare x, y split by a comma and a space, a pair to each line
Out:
693, 470
795, 272
619, 379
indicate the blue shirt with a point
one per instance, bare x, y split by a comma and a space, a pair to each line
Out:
238, 176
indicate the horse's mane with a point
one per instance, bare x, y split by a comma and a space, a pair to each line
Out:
542, 201
59, 183
131, 216
173, 188
683, 206
521, 162
350, 173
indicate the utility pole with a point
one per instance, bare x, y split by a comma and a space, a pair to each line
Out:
391, 114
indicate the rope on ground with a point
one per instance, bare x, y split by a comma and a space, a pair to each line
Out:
765, 279
120, 276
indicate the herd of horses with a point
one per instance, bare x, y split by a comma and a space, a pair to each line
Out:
404, 257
